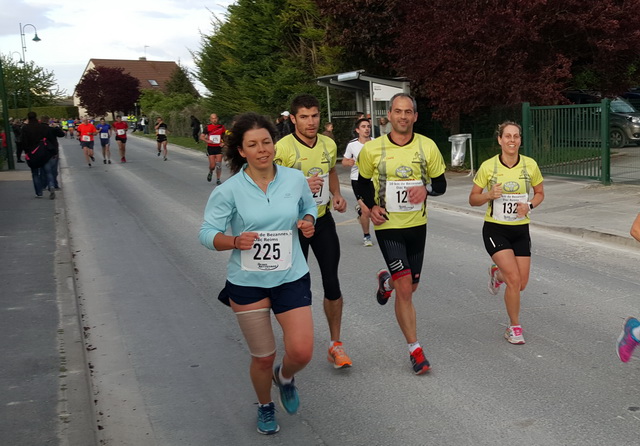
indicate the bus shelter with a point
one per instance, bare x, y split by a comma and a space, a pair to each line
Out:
367, 88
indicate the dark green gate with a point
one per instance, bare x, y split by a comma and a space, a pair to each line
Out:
569, 140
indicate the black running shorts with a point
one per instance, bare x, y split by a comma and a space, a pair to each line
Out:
498, 237
403, 250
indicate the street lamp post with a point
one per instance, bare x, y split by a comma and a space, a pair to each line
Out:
24, 59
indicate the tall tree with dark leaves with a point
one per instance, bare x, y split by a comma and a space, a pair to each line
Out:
366, 30
105, 90
465, 54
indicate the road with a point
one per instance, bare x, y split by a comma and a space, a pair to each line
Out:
169, 366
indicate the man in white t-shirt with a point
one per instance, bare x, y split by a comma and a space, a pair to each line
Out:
363, 130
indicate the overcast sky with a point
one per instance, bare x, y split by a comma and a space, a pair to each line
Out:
74, 32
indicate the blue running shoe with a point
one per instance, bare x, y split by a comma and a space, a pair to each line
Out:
288, 393
267, 424
626, 343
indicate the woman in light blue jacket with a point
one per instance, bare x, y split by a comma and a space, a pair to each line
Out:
260, 213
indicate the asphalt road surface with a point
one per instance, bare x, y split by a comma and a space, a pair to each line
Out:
169, 366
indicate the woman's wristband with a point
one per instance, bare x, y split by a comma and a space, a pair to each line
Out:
234, 242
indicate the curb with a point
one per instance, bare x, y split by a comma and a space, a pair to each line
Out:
75, 408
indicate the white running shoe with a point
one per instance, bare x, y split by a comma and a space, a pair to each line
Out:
494, 283
367, 241
514, 335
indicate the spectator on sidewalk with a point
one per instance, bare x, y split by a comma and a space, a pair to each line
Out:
33, 133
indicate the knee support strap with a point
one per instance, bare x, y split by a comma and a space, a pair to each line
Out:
218, 165
257, 331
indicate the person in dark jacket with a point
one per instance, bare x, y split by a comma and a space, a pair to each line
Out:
32, 133
55, 132
16, 126
195, 129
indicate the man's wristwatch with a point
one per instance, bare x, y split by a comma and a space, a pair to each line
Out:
530, 206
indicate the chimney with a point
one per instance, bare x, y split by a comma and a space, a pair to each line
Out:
142, 58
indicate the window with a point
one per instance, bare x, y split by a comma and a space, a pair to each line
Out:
153, 82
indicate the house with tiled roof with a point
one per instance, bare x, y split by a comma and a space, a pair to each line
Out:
152, 74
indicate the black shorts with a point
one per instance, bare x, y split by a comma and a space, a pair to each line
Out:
498, 237
121, 139
104, 142
285, 297
161, 138
87, 144
326, 247
356, 189
403, 250
214, 150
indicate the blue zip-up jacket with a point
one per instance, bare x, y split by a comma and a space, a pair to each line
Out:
240, 205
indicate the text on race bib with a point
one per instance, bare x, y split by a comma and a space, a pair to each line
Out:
104, 135
120, 132
397, 196
162, 131
86, 138
505, 208
215, 139
322, 196
271, 252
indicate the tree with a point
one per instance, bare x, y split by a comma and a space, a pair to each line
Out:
161, 103
41, 83
491, 52
263, 54
464, 55
180, 83
104, 89
365, 30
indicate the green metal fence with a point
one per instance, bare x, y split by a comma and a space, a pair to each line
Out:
569, 140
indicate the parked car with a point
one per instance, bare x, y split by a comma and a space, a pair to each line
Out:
624, 119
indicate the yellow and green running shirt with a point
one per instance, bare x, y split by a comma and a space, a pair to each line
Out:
393, 169
319, 159
516, 181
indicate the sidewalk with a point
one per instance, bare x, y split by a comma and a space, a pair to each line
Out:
582, 208
45, 397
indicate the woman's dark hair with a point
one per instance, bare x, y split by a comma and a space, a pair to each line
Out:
242, 124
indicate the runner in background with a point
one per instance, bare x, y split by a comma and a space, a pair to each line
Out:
213, 135
121, 128
363, 130
104, 132
161, 136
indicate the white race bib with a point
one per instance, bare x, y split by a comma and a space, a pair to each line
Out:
104, 135
397, 196
505, 208
271, 252
120, 132
322, 196
215, 139
86, 138
162, 131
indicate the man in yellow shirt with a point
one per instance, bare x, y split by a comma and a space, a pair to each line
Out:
397, 172
315, 155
